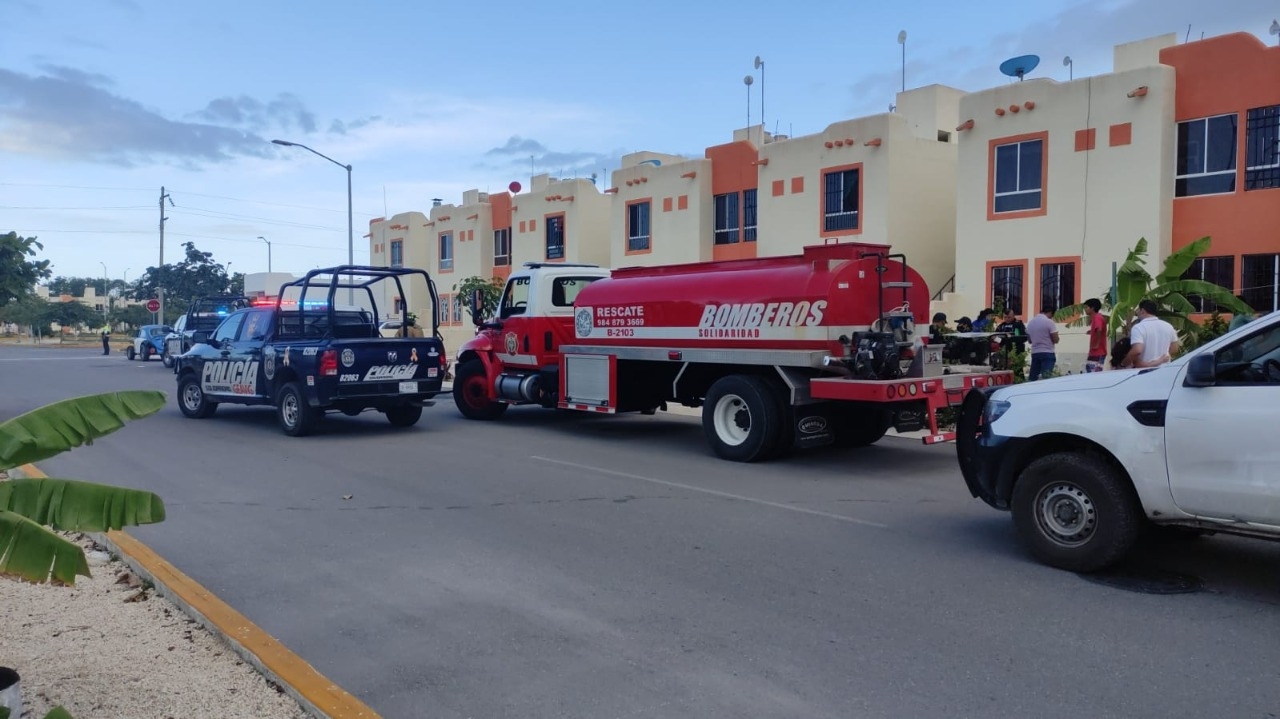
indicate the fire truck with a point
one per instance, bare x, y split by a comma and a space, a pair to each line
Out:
779, 353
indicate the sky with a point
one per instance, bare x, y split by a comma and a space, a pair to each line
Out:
103, 102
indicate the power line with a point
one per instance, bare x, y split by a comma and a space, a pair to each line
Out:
130, 207
274, 204
184, 192
218, 214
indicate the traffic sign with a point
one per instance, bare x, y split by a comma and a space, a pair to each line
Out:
153, 305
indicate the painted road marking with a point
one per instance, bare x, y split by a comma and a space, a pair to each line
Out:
50, 359
315, 692
715, 493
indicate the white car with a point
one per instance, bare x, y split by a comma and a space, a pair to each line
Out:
390, 328
1085, 462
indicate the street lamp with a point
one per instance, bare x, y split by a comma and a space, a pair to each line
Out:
350, 224
260, 237
104, 290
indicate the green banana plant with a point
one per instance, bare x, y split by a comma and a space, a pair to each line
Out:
1169, 291
31, 510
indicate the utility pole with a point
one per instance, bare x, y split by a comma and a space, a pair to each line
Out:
160, 277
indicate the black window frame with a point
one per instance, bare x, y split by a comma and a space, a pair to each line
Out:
836, 193
1217, 270
1260, 281
1262, 148
1065, 278
1198, 133
446, 258
1010, 271
553, 227
1012, 201
640, 213
502, 247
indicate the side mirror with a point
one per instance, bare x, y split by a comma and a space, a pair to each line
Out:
477, 307
200, 337
1201, 371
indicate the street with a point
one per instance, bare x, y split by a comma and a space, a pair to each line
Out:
564, 565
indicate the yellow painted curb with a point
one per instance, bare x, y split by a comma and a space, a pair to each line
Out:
300, 680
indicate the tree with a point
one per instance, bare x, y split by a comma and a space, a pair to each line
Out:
197, 275
490, 290
132, 315
1169, 291
73, 314
18, 275
29, 312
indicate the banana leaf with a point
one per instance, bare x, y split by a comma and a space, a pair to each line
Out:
30, 551
73, 506
1179, 262
62, 426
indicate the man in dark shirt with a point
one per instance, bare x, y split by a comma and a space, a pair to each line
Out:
1016, 330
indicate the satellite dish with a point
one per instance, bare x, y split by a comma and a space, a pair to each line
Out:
655, 163
1275, 27
902, 37
748, 80
1066, 61
514, 187
759, 62
1019, 66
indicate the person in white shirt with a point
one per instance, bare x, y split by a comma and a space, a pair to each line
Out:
1043, 333
1152, 340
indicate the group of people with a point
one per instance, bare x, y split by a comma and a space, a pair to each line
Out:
1151, 341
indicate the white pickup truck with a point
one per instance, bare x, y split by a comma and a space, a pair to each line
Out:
1086, 462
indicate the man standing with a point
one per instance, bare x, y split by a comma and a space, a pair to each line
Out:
1016, 331
1097, 356
1043, 332
1152, 341
106, 339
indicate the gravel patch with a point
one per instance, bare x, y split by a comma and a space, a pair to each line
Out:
111, 647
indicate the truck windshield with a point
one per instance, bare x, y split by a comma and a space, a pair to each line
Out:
516, 298
564, 290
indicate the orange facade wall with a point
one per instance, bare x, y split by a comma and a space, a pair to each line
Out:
734, 169
1227, 74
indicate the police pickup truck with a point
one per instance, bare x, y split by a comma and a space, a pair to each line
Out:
307, 356
1086, 462
203, 314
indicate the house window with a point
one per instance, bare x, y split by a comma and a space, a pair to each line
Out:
1221, 271
1262, 167
726, 227
502, 247
749, 215
442, 313
555, 237
1260, 282
1057, 285
397, 253
457, 309
1019, 176
446, 251
1206, 163
1006, 287
638, 227
841, 195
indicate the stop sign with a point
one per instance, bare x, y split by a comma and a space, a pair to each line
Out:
153, 305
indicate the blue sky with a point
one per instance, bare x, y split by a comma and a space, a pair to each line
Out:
104, 101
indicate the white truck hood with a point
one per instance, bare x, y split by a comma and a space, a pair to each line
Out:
1078, 382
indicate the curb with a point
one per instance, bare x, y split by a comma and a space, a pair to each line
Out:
317, 695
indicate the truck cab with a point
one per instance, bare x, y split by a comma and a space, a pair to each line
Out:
535, 316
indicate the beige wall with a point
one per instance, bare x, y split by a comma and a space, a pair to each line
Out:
680, 210
411, 229
1099, 201
586, 221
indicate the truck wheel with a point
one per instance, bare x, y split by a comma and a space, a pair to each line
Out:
471, 392
1075, 511
297, 418
166, 358
742, 418
192, 400
404, 416
130, 354
860, 426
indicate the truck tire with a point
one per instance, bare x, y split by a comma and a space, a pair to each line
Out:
1075, 511
130, 353
742, 418
406, 416
297, 418
192, 400
860, 426
471, 393
166, 359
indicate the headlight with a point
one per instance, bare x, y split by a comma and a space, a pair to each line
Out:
995, 410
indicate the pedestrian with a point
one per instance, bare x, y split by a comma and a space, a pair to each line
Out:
106, 339
1152, 341
411, 321
983, 323
1016, 331
938, 330
1043, 333
1241, 318
1095, 361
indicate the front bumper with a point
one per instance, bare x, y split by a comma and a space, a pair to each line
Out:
986, 459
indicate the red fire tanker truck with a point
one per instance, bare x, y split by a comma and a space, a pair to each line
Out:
779, 352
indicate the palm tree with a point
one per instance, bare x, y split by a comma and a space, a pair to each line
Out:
1169, 291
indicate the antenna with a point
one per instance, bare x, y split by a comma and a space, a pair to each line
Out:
747, 81
1275, 30
902, 40
760, 66
1066, 62
1019, 66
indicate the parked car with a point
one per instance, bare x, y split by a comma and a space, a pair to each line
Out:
204, 314
1086, 462
149, 340
390, 328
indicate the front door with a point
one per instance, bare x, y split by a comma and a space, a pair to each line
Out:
1224, 458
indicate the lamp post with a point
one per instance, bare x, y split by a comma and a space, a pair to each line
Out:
902, 40
350, 224
260, 237
105, 296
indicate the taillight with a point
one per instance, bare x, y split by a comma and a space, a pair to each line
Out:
329, 363
444, 361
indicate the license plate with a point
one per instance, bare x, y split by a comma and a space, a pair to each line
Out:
408, 388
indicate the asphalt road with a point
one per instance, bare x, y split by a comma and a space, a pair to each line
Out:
559, 565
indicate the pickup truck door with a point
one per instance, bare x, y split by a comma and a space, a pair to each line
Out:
246, 354
1221, 441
